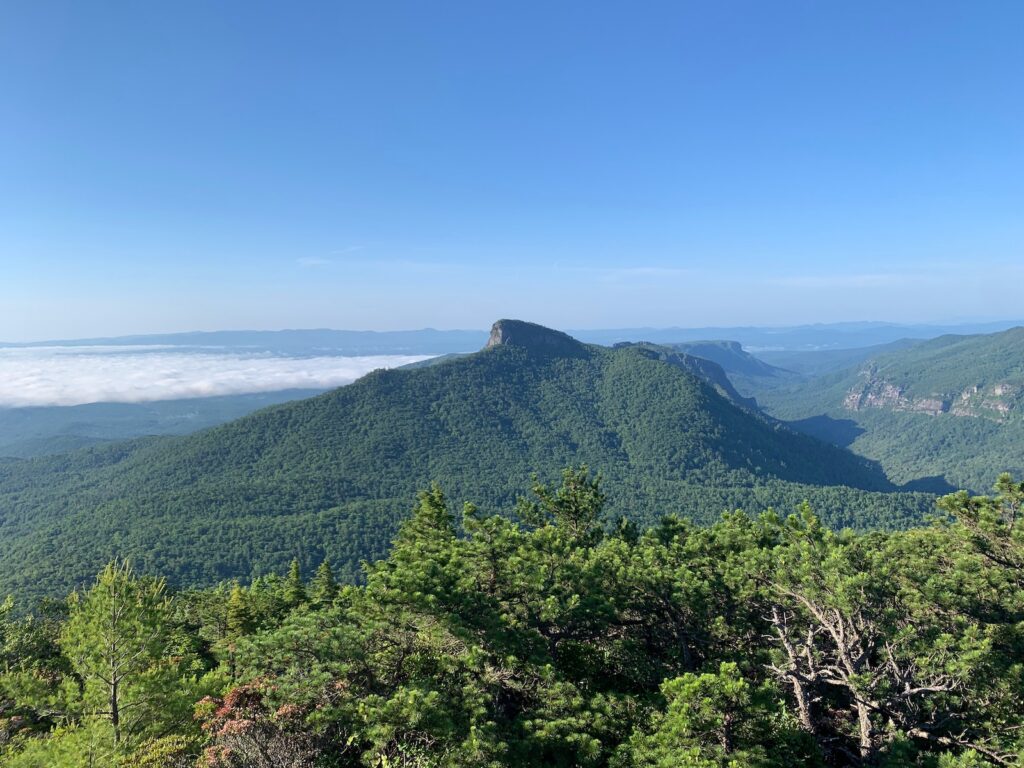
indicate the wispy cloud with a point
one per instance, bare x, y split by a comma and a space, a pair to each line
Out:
76, 375
313, 262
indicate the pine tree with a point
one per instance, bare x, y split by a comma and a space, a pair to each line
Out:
239, 618
294, 589
116, 633
323, 588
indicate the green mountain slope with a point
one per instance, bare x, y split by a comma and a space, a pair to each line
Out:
821, 361
951, 408
332, 475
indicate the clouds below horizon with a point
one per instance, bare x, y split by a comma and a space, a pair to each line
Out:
46, 376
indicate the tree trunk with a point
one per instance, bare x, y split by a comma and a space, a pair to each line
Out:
803, 706
864, 723
115, 715
725, 737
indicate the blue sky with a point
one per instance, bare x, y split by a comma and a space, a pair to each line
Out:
194, 165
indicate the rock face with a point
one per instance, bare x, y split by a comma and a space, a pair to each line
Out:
879, 393
536, 338
993, 402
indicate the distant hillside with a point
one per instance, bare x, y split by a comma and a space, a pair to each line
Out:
732, 357
951, 408
333, 475
978, 376
817, 362
45, 430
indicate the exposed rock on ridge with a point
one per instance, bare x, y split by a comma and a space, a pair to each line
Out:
537, 338
993, 402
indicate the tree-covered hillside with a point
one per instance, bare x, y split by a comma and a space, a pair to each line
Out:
330, 476
556, 641
820, 361
951, 408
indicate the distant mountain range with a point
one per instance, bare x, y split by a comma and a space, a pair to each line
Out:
826, 336
332, 475
431, 341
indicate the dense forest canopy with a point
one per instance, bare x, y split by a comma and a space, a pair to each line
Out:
551, 641
330, 477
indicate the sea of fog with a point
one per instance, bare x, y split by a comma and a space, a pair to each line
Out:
71, 375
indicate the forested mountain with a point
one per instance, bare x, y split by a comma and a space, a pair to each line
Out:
951, 408
704, 368
332, 476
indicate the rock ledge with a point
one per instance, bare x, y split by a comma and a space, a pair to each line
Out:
537, 338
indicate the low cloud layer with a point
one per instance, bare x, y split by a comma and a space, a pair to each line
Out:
77, 375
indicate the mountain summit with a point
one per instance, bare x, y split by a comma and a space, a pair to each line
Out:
536, 338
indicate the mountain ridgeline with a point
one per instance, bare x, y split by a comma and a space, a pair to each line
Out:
731, 356
333, 475
951, 408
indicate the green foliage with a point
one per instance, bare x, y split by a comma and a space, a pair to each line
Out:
330, 477
116, 639
575, 507
239, 617
88, 744
977, 382
323, 588
294, 588
546, 638
718, 720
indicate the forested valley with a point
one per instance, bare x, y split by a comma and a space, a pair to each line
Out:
549, 636
946, 411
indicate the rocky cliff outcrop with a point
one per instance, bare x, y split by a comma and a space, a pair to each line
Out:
996, 401
536, 338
